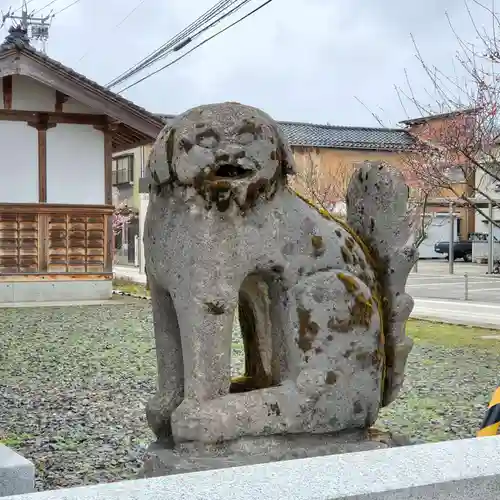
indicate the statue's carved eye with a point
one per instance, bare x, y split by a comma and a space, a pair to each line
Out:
185, 145
208, 138
246, 138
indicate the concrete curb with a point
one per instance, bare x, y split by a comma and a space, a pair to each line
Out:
17, 474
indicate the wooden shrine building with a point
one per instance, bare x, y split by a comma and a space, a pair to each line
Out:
58, 131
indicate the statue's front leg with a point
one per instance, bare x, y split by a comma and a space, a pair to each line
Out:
170, 389
205, 324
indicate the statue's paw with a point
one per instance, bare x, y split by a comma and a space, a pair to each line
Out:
159, 410
187, 421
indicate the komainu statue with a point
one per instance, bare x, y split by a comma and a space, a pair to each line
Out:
320, 301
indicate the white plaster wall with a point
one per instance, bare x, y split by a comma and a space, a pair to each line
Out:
144, 202
75, 165
1, 93
19, 163
30, 95
73, 106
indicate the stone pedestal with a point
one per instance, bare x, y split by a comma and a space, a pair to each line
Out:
162, 459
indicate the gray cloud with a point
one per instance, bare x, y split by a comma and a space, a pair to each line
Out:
301, 60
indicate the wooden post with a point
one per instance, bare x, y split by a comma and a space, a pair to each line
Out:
42, 163
108, 130
108, 166
7, 92
60, 100
42, 125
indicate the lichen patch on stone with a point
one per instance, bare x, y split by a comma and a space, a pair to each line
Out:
308, 329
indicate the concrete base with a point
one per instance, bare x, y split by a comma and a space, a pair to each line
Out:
191, 457
453, 470
17, 475
55, 290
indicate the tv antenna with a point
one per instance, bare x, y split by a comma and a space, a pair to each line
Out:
37, 28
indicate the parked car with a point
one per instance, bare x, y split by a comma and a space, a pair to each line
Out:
461, 249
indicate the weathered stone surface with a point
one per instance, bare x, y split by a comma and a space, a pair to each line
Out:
223, 232
193, 457
377, 200
17, 474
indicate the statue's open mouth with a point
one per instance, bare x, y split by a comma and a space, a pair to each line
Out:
228, 170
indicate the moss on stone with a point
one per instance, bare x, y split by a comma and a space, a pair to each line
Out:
318, 245
349, 282
346, 255
362, 310
308, 330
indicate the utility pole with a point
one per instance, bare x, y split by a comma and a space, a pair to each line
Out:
451, 256
490, 238
37, 28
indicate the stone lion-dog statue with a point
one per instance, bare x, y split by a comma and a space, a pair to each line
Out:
320, 301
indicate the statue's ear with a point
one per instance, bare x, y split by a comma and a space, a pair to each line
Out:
159, 164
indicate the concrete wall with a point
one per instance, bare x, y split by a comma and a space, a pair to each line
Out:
55, 291
451, 470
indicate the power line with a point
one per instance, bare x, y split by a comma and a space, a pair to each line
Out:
155, 55
24, 5
177, 42
203, 18
36, 28
151, 57
65, 8
189, 39
131, 12
45, 6
118, 24
195, 47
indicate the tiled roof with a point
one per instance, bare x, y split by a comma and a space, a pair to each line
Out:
16, 40
440, 116
167, 119
328, 136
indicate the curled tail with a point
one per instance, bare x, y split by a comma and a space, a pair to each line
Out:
377, 200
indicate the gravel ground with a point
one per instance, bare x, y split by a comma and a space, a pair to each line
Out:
75, 380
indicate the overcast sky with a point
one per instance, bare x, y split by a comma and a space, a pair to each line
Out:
299, 60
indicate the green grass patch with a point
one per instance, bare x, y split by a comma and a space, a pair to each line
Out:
14, 440
128, 286
455, 336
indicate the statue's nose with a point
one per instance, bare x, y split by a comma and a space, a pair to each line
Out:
230, 153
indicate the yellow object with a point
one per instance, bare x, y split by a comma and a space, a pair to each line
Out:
491, 422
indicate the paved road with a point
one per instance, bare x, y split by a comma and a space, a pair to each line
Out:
130, 273
433, 281
458, 312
